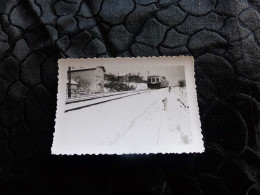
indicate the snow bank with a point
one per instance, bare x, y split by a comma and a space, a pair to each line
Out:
141, 86
181, 94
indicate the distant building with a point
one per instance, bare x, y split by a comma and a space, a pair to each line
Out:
124, 78
90, 79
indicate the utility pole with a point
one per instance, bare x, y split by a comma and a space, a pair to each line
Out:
129, 76
69, 85
117, 82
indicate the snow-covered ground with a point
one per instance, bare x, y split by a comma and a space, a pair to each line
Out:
137, 120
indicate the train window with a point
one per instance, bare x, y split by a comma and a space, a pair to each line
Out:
149, 80
157, 79
153, 79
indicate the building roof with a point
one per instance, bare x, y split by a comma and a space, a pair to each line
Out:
153, 76
72, 82
87, 69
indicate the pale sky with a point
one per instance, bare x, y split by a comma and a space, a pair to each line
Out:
172, 73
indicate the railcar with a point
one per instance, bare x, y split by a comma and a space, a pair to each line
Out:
157, 82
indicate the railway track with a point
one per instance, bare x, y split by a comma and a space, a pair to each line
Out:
91, 100
98, 96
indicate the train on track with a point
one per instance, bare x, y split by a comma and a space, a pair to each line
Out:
157, 82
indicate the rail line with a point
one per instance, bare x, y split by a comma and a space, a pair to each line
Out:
93, 97
101, 102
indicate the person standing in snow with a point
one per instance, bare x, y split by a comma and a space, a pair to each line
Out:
170, 89
165, 102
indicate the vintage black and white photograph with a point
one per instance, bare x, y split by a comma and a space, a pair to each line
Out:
127, 105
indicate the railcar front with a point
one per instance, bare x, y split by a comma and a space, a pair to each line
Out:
153, 82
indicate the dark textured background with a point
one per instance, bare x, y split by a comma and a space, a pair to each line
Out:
222, 35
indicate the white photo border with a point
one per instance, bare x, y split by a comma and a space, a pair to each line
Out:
196, 146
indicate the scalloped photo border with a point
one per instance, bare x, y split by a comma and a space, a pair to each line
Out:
60, 147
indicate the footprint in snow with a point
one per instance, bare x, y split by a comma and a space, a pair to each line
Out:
178, 127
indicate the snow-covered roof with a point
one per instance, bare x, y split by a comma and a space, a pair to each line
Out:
72, 82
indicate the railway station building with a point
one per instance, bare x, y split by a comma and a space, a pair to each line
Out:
90, 79
73, 84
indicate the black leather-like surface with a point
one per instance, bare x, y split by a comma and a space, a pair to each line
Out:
222, 35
